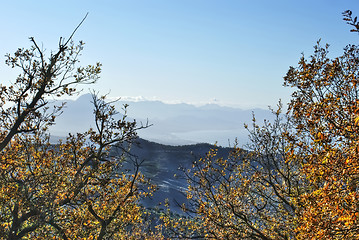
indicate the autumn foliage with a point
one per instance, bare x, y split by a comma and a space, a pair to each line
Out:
325, 108
75, 189
299, 177
251, 194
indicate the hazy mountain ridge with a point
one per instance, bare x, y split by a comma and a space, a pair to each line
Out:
174, 124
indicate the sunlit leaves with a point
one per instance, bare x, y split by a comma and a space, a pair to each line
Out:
301, 178
77, 188
324, 107
246, 195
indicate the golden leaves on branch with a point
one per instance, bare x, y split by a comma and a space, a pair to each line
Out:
300, 179
74, 189
326, 112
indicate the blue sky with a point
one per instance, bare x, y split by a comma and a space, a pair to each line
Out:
196, 51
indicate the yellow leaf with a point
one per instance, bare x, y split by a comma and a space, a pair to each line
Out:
356, 120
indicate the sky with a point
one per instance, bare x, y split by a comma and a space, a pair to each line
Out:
229, 52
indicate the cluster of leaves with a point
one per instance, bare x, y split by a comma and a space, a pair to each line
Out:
325, 109
299, 178
351, 21
74, 189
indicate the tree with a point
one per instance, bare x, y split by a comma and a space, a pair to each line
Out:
75, 189
300, 177
251, 194
325, 107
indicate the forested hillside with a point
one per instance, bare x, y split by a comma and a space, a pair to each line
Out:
165, 165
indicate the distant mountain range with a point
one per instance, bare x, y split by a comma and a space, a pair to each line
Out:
174, 124
180, 134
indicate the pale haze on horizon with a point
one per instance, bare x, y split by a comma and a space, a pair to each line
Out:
232, 53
